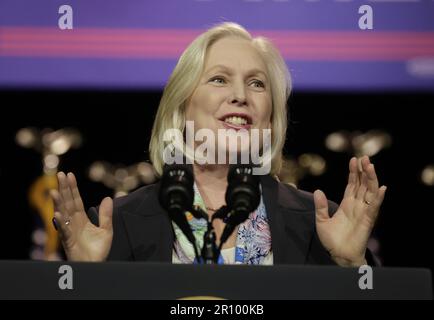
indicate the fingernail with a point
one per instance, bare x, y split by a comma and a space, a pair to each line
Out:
54, 223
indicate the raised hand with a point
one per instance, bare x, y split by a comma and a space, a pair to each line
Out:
81, 239
346, 234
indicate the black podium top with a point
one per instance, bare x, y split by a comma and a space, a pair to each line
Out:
135, 280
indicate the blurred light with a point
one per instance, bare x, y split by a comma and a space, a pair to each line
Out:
51, 161
97, 171
120, 194
314, 163
337, 141
305, 160
26, 137
308, 163
39, 237
110, 181
146, 172
60, 145
122, 179
130, 182
318, 167
143, 168
427, 175
121, 174
371, 142
371, 147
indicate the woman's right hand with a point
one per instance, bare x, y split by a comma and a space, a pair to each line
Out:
81, 239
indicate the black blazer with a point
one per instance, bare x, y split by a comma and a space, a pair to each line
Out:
142, 230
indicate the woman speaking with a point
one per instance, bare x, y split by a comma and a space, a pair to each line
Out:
225, 80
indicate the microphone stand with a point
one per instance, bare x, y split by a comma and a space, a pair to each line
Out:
182, 223
210, 253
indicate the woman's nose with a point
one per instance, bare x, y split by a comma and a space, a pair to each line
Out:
238, 96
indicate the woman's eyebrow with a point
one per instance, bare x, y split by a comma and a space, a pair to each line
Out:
227, 70
257, 72
219, 66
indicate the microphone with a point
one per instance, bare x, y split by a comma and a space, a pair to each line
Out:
242, 197
176, 196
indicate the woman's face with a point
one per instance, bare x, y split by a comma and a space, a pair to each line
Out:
233, 91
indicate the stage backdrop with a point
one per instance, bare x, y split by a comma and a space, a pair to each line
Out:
135, 44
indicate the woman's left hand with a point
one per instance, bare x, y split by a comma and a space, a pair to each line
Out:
346, 234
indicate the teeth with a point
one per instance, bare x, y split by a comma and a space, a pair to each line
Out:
236, 120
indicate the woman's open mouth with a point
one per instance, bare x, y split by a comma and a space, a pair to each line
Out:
236, 121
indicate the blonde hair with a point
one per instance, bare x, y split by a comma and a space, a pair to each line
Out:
186, 75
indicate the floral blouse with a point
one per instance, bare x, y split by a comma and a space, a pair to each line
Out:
253, 243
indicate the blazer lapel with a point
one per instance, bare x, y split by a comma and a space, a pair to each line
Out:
149, 230
291, 223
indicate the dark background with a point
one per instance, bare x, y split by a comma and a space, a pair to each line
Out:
116, 127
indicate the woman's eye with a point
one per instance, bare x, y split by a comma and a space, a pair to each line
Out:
258, 84
218, 80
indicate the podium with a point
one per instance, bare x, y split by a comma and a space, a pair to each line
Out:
136, 280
